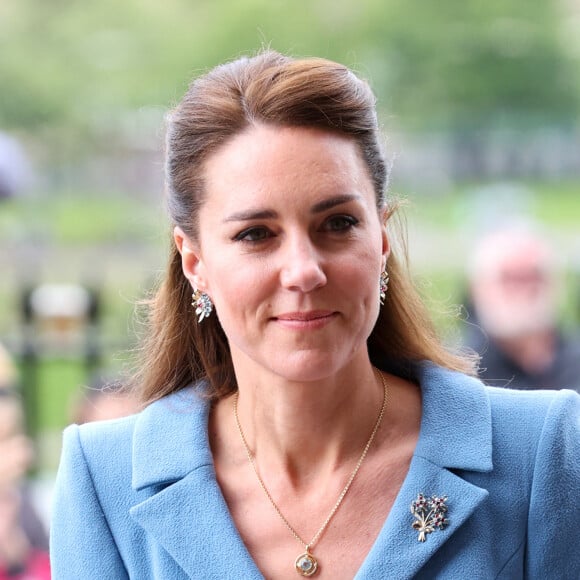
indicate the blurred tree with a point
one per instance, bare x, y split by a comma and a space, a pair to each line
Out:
72, 69
480, 64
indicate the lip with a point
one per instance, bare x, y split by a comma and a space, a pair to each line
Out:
306, 319
305, 316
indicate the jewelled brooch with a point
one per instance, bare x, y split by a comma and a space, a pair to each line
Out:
429, 514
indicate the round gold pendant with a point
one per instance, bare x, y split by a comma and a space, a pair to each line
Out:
306, 564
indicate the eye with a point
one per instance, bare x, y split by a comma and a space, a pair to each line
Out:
339, 223
253, 234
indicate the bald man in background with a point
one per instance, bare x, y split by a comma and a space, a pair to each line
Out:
514, 286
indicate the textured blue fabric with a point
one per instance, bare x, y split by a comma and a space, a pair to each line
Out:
137, 497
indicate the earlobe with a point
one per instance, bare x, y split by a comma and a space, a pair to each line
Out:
190, 260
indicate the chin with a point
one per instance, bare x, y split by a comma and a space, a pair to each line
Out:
306, 367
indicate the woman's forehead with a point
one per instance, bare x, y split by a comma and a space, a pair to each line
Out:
284, 158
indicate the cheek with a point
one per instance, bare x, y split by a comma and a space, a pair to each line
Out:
362, 270
235, 286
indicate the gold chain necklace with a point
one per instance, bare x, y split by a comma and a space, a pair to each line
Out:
306, 564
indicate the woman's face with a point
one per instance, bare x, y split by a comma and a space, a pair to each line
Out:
290, 250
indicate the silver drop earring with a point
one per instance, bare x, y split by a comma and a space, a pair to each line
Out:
384, 285
202, 304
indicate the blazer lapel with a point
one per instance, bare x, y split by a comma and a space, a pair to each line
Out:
191, 521
186, 512
455, 435
398, 553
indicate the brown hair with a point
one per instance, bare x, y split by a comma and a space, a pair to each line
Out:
277, 90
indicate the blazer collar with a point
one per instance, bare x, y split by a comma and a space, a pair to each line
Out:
189, 515
456, 420
456, 434
170, 439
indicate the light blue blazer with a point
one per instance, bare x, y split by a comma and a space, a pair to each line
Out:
137, 497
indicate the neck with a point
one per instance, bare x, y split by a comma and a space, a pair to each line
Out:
307, 429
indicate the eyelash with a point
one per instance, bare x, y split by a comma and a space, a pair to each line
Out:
346, 223
350, 222
244, 236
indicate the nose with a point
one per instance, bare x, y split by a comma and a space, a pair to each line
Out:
302, 267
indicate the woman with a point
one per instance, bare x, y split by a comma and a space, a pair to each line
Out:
295, 424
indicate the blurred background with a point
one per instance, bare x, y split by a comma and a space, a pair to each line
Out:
479, 102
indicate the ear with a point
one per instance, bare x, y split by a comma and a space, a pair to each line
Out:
386, 245
191, 262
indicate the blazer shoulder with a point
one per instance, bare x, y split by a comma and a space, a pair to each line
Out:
102, 443
537, 406
110, 432
531, 419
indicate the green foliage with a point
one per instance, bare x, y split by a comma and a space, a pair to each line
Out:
73, 65
82, 220
468, 64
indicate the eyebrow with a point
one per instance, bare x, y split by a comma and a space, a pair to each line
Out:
270, 214
333, 202
244, 216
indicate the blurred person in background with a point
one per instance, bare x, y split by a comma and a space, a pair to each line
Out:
23, 539
302, 417
515, 290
